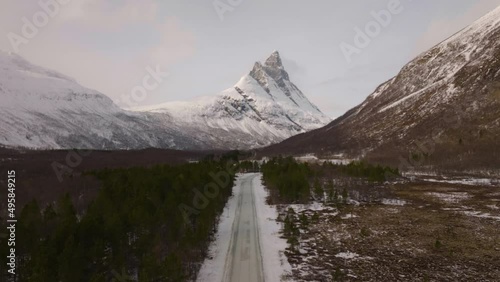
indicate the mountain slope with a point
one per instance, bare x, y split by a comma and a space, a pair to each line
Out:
42, 109
443, 108
264, 107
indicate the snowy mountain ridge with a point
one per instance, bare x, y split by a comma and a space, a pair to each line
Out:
43, 109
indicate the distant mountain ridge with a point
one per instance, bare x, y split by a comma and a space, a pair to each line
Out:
42, 109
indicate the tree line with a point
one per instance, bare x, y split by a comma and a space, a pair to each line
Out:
290, 181
133, 229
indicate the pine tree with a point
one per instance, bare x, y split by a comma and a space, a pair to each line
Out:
318, 189
345, 196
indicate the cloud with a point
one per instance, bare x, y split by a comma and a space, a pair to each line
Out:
440, 29
356, 73
108, 15
174, 45
293, 67
104, 45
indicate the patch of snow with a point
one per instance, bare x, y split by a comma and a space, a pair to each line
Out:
398, 102
316, 206
394, 202
353, 202
452, 197
481, 215
340, 161
466, 181
306, 158
347, 255
349, 216
451, 209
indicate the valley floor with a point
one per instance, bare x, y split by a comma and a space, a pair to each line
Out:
409, 232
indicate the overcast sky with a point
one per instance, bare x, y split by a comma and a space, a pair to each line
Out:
206, 46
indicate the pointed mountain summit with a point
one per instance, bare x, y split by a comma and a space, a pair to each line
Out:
263, 108
273, 67
273, 74
274, 61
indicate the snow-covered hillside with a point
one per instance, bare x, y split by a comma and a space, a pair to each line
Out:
443, 105
42, 109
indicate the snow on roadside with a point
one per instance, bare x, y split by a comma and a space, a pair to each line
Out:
272, 246
213, 266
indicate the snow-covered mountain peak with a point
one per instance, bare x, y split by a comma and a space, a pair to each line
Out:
37, 89
13, 62
480, 27
274, 79
273, 68
263, 107
274, 61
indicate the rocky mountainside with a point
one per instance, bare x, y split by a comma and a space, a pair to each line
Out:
42, 109
442, 109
